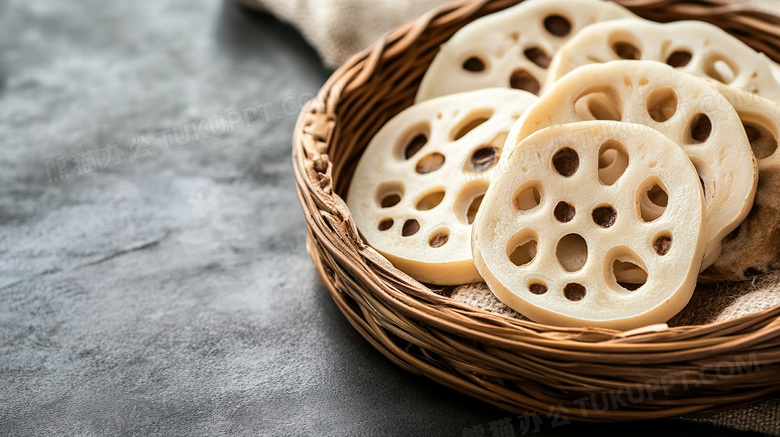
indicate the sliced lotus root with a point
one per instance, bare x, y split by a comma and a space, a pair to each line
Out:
754, 247
421, 180
684, 108
695, 47
563, 246
512, 48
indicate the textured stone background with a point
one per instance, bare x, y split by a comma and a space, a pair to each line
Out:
168, 292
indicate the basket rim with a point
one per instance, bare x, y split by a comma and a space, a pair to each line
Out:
386, 305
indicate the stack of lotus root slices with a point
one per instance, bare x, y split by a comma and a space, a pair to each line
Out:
589, 166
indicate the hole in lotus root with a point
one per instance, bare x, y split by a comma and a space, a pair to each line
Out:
413, 140
629, 275
410, 228
662, 244
415, 145
600, 102
521, 248
662, 104
721, 69
564, 212
557, 25
390, 200
474, 64
574, 292
537, 288
538, 56
389, 194
430, 163
439, 238
469, 200
605, 216
566, 162
523, 80
762, 140
626, 50
386, 224
625, 45
484, 158
528, 196
430, 200
471, 212
699, 129
469, 123
572, 253
679, 58
613, 162
652, 200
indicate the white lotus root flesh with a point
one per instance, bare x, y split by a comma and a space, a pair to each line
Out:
512, 48
418, 185
593, 224
694, 47
684, 108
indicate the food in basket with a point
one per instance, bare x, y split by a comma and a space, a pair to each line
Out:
685, 108
421, 179
694, 47
657, 168
561, 244
512, 48
754, 247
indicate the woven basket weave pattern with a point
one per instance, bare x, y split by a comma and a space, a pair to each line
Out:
517, 365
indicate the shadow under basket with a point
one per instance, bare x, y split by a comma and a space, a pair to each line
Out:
583, 374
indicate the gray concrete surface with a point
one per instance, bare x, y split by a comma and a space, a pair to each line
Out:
153, 288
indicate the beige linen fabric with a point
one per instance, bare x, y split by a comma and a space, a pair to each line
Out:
340, 28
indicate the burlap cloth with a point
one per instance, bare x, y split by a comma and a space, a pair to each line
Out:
339, 28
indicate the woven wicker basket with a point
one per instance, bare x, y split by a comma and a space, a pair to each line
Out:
579, 374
